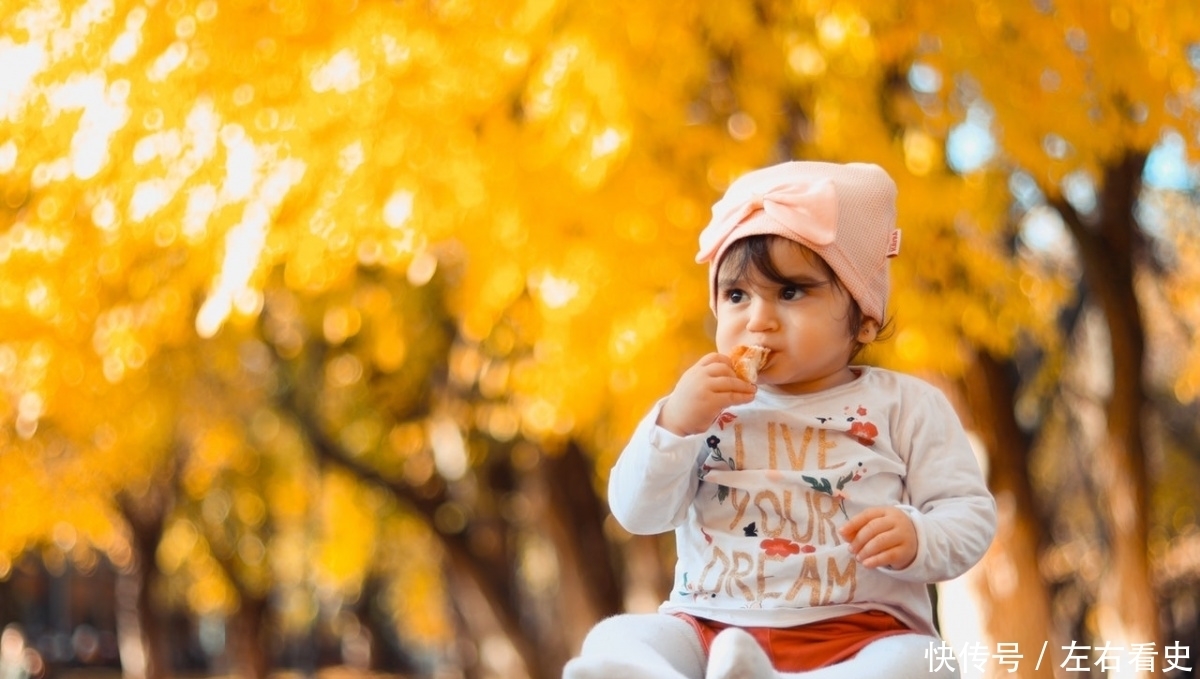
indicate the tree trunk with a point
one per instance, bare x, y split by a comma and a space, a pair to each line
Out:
1016, 601
388, 654
142, 640
248, 638
480, 649
1109, 251
589, 585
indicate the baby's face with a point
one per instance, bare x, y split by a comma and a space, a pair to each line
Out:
802, 316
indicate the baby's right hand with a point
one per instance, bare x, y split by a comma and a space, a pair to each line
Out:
703, 392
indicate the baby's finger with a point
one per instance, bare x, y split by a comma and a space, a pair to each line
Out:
881, 558
715, 359
736, 385
868, 542
868, 526
850, 530
884, 542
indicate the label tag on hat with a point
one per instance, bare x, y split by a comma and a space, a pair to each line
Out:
894, 244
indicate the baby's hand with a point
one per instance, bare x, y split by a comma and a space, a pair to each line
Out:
881, 536
703, 392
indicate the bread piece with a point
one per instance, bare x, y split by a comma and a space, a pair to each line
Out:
748, 360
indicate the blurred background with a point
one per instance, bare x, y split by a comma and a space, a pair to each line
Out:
321, 323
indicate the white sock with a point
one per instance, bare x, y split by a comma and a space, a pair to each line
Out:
736, 655
610, 668
648, 646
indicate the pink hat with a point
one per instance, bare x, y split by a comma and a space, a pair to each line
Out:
844, 213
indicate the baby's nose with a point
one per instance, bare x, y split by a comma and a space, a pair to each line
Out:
762, 315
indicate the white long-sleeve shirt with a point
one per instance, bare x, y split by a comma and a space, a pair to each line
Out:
756, 501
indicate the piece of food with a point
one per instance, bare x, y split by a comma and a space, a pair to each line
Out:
748, 360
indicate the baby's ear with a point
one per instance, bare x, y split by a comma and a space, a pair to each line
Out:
868, 331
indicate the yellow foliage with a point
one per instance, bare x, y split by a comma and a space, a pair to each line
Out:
348, 520
409, 553
184, 183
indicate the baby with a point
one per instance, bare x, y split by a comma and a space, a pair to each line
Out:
811, 508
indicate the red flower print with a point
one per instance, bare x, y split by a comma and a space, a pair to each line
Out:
865, 432
779, 547
862, 411
724, 419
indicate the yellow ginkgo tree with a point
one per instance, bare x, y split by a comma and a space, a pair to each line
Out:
252, 249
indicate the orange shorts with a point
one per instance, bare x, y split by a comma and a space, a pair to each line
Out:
807, 647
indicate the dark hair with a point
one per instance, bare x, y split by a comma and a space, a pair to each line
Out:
753, 253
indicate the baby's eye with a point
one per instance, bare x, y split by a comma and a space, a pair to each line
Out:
789, 292
735, 295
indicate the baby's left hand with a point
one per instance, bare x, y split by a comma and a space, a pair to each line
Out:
881, 536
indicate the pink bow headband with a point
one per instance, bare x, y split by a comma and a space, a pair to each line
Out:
845, 213
803, 211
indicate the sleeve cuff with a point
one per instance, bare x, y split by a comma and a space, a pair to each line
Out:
662, 439
917, 519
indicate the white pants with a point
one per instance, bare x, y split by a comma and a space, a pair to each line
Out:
658, 646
